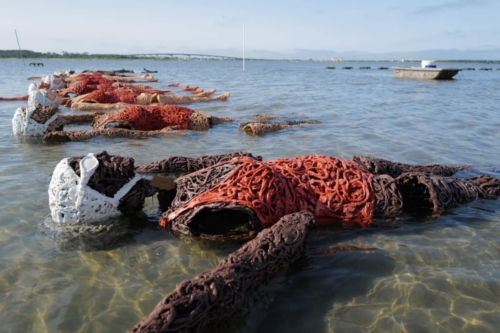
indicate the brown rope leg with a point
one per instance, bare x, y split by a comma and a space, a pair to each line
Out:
430, 195
378, 166
213, 295
262, 128
388, 199
82, 135
188, 164
80, 118
97, 106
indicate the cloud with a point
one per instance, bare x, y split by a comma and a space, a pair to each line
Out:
450, 5
230, 22
455, 34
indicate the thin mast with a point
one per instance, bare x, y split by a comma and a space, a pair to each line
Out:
243, 46
20, 53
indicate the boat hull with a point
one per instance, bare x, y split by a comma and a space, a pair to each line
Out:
425, 73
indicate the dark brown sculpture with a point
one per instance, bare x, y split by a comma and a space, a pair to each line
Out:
214, 295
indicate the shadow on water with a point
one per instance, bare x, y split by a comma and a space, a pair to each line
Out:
99, 235
300, 299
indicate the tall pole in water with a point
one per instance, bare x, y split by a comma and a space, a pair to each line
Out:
20, 53
243, 46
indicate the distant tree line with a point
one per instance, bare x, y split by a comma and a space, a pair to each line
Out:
28, 54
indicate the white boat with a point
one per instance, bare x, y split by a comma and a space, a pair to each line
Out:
427, 71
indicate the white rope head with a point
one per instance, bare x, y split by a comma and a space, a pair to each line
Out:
71, 200
23, 124
44, 98
33, 87
56, 82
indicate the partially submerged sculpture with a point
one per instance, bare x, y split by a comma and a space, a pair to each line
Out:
241, 194
265, 127
197, 303
93, 187
139, 121
236, 195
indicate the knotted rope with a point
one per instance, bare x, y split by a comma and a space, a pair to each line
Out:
111, 175
217, 294
262, 128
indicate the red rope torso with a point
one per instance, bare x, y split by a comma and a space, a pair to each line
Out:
334, 190
152, 118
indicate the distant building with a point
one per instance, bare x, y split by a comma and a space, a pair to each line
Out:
337, 59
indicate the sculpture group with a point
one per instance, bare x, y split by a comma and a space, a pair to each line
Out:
271, 205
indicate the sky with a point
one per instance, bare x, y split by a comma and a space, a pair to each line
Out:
301, 29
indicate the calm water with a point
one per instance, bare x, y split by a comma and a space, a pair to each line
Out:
438, 275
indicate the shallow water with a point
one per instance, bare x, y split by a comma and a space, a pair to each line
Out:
438, 275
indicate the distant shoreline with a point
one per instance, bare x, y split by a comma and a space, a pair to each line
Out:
28, 54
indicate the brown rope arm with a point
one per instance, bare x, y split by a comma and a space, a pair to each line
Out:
189, 164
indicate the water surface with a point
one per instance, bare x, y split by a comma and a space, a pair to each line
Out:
439, 275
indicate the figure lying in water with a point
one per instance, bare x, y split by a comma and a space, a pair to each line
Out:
140, 121
133, 121
233, 196
38, 96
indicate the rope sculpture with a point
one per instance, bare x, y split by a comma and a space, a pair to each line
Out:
82, 84
189, 164
388, 199
262, 128
138, 122
108, 96
36, 121
148, 99
108, 187
335, 190
213, 295
378, 166
80, 118
157, 117
96, 106
19, 98
430, 195
83, 135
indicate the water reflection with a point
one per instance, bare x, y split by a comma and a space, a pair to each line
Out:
102, 235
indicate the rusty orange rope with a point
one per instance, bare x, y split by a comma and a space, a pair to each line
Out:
334, 190
151, 118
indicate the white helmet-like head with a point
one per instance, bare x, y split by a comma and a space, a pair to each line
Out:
71, 200
23, 124
43, 97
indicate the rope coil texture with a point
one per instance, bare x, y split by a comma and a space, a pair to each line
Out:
331, 188
36, 121
262, 128
378, 166
82, 135
430, 195
213, 295
189, 164
102, 194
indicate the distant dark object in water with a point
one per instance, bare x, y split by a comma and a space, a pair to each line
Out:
330, 68
346, 67
119, 71
148, 71
469, 69
365, 67
124, 71
36, 63
485, 69
383, 68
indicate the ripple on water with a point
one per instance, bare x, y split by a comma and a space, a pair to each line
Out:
428, 276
